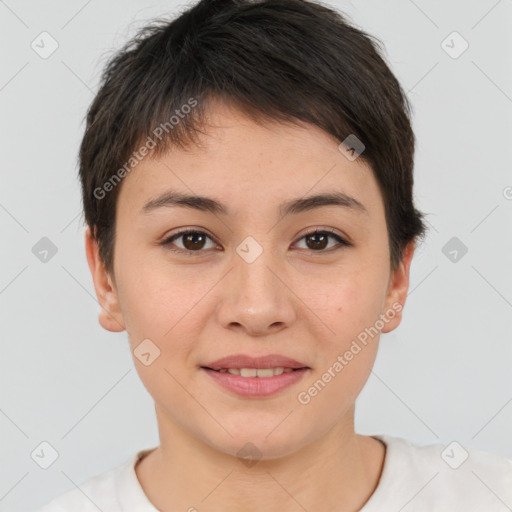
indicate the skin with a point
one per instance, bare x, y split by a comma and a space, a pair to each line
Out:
294, 299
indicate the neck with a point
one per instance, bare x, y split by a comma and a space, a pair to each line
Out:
337, 472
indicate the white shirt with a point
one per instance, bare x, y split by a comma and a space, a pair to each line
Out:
415, 478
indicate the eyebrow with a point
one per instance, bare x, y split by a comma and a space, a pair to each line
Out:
293, 206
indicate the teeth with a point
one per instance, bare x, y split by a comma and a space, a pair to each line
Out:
248, 372
256, 372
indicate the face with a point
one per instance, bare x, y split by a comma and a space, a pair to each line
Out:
252, 279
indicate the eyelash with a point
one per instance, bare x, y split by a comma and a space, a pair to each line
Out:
167, 242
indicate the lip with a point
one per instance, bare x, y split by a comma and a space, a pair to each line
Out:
256, 387
246, 361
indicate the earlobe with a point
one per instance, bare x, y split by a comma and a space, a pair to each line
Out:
398, 289
110, 317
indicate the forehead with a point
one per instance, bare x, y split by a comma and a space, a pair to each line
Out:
245, 164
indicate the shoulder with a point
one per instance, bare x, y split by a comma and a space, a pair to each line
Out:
446, 476
97, 493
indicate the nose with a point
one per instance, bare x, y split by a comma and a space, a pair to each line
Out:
255, 298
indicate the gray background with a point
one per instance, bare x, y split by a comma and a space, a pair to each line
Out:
443, 375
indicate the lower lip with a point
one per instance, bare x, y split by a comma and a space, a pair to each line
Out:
255, 387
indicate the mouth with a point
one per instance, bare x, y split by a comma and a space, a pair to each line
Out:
255, 382
255, 376
256, 372
249, 363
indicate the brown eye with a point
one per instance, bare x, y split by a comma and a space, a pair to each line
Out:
192, 241
318, 241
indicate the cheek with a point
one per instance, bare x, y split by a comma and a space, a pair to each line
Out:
350, 307
351, 300
155, 302
349, 353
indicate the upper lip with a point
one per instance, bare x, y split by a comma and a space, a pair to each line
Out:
245, 361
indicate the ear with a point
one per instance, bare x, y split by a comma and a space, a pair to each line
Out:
397, 290
110, 316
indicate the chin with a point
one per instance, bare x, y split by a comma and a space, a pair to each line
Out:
256, 441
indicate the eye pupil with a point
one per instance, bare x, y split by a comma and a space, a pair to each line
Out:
316, 245
192, 237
